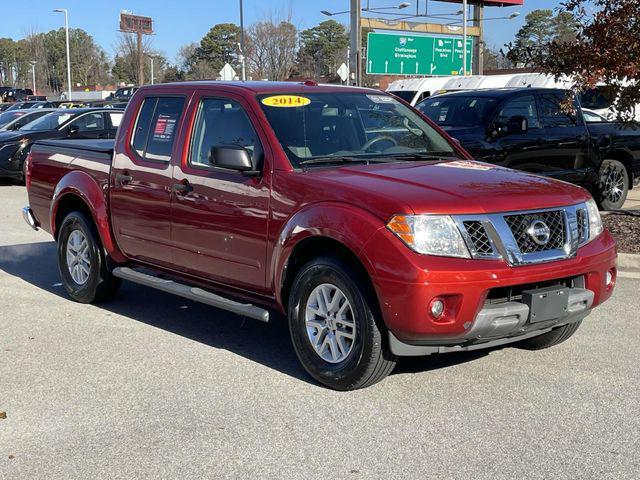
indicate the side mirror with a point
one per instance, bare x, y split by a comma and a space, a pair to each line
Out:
72, 129
232, 157
517, 124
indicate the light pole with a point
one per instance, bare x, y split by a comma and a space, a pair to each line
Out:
464, 38
242, 60
33, 73
66, 28
152, 57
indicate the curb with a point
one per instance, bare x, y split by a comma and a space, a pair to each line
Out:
628, 262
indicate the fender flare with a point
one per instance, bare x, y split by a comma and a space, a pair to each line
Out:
347, 224
83, 186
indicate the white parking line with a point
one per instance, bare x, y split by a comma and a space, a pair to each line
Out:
629, 274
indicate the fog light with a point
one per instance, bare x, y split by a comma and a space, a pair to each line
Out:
436, 307
609, 278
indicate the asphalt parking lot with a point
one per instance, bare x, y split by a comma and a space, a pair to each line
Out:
153, 386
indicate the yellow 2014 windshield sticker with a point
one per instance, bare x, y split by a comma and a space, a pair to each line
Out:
287, 101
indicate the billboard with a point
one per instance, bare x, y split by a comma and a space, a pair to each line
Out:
135, 23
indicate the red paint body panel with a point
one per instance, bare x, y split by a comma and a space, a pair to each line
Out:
405, 292
235, 233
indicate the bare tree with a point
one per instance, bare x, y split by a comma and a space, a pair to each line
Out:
271, 50
126, 62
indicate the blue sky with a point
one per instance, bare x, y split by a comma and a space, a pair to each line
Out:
180, 22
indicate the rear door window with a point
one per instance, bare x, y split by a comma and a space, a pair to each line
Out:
523, 106
556, 112
156, 127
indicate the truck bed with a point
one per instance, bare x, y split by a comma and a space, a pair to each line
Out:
51, 160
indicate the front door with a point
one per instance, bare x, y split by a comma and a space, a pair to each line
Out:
219, 217
142, 181
566, 135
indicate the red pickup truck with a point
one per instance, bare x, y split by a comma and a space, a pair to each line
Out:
343, 208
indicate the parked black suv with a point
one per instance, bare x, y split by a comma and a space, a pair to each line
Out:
531, 129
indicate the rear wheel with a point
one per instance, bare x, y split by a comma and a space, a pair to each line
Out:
550, 339
613, 185
333, 327
83, 263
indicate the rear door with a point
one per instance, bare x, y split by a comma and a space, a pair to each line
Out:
526, 150
219, 222
142, 180
567, 141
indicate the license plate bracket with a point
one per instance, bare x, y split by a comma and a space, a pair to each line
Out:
546, 303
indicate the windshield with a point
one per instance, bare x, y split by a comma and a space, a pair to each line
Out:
333, 125
457, 110
406, 95
48, 122
7, 117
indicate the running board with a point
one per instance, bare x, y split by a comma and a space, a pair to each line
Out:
192, 293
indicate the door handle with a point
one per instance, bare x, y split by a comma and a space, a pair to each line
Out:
123, 178
183, 188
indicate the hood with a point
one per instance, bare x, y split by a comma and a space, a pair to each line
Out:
459, 130
452, 187
10, 135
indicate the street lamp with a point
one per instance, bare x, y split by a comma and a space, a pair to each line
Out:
66, 28
367, 9
355, 32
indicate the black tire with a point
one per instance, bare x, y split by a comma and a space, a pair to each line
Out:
100, 284
369, 360
550, 339
612, 174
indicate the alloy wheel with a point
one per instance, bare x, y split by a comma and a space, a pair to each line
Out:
330, 323
78, 260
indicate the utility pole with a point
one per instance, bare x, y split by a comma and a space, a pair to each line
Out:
152, 58
355, 42
66, 29
464, 37
242, 60
478, 17
140, 58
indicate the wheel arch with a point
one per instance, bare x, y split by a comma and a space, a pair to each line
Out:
323, 229
79, 191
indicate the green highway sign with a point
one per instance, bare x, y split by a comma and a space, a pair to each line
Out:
408, 54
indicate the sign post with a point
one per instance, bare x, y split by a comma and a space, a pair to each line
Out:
140, 26
406, 54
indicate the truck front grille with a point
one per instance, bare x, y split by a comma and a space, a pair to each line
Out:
583, 225
526, 237
520, 224
479, 238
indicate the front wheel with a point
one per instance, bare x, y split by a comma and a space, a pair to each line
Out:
334, 331
83, 263
613, 185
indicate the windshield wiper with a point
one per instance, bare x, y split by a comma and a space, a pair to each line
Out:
329, 160
420, 157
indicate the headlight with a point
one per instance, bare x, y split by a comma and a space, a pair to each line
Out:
595, 221
430, 234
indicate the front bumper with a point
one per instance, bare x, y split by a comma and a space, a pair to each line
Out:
465, 285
